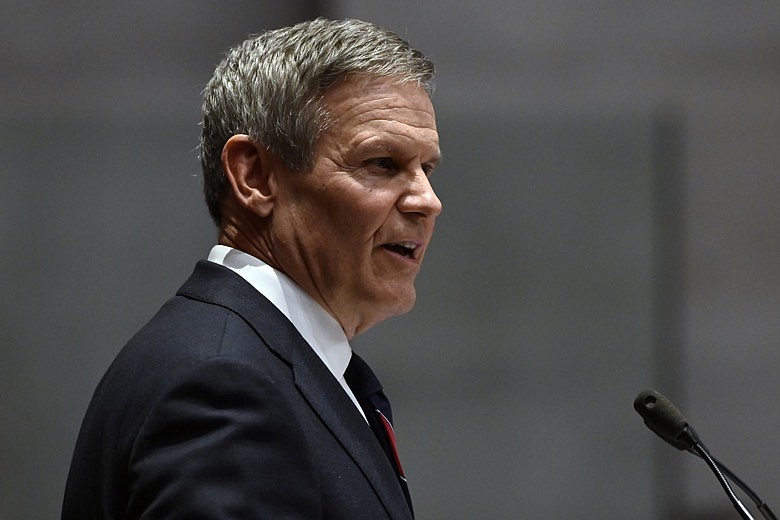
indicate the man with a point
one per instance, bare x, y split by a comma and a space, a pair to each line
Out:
242, 398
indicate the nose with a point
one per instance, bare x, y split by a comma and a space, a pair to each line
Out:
420, 197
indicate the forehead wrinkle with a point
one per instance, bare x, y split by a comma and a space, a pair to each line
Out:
376, 110
388, 134
364, 113
344, 107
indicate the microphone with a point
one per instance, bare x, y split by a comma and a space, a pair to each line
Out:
663, 418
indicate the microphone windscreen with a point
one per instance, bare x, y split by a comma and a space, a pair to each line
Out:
661, 416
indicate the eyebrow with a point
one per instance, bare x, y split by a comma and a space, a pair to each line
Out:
387, 146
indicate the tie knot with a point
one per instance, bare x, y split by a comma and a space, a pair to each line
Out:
366, 387
360, 378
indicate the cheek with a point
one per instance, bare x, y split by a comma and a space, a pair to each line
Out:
359, 221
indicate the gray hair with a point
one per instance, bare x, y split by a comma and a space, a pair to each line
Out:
270, 87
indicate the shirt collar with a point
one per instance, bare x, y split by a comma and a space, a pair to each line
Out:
318, 328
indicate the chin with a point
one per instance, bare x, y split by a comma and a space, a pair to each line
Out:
404, 302
387, 308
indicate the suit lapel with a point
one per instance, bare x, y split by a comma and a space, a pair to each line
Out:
216, 284
338, 412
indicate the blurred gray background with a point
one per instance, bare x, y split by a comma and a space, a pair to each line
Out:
611, 223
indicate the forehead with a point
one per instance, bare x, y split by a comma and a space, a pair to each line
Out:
362, 106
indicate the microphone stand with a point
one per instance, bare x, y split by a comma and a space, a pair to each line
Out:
703, 453
720, 470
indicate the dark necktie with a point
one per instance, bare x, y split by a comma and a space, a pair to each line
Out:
368, 391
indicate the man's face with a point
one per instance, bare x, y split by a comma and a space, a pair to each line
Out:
353, 231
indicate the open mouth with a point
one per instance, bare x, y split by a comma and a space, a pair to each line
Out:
406, 249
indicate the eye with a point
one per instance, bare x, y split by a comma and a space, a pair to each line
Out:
431, 164
382, 164
385, 163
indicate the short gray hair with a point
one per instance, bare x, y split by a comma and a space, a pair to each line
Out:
270, 87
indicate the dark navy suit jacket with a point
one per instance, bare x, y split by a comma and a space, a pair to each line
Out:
219, 409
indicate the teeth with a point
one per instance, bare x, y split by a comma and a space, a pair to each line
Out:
404, 248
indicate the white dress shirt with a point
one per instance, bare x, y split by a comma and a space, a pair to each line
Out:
320, 330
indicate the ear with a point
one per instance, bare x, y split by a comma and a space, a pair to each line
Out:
249, 169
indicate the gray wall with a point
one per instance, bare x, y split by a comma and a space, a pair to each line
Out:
611, 223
